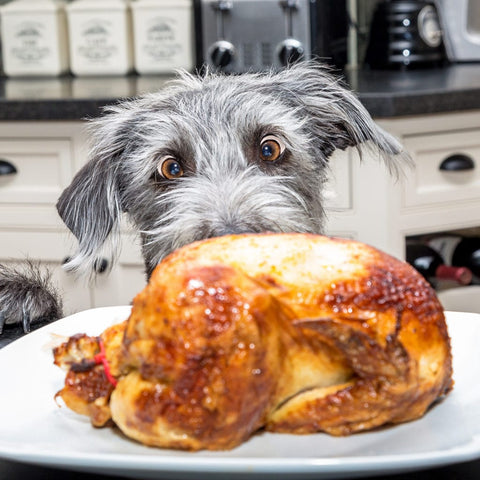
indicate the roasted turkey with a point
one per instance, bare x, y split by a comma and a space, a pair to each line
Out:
292, 333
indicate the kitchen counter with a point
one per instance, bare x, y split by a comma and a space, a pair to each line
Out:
385, 93
388, 94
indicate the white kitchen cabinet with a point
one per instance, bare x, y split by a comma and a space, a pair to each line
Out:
44, 167
364, 201
46, 155
127, 278
384, 211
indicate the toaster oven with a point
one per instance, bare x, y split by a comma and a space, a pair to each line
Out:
252, 35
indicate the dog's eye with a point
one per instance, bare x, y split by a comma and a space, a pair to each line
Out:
170, 168
271, 148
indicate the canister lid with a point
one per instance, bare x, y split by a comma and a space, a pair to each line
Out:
161, 3
32, 6
97, 5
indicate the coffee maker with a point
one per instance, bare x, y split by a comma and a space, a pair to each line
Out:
405, 33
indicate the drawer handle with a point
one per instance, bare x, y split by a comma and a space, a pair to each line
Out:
100, 265
457, 163
7, 168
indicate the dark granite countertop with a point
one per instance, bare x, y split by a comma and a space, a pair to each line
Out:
384, 93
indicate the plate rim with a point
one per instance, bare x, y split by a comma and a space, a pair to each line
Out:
198, 462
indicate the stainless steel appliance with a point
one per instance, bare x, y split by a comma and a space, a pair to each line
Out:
253, 35
460, 21
405, 33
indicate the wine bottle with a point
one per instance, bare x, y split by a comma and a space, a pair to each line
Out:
459, 251
432, 266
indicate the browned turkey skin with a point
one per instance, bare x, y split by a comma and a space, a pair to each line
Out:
292, 333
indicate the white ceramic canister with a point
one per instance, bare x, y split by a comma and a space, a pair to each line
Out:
163, 35
34, 38
100, 37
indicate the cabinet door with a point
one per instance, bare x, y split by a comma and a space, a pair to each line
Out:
119, 286
338, 188
43, 168
447, 168
125, 280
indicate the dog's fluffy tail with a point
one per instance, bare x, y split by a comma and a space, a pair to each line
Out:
27, 296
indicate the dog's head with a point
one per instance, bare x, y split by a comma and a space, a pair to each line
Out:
213, 155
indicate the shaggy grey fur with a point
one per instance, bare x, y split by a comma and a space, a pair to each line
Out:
26, 296
213, 129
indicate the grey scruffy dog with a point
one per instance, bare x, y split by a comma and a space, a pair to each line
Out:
208, 156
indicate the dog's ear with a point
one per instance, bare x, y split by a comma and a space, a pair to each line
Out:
336, 117
91, 206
